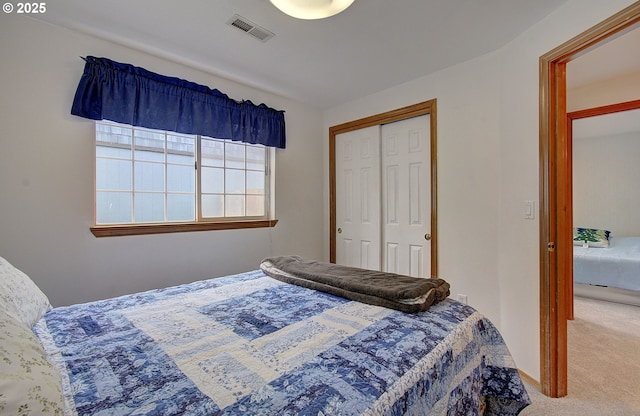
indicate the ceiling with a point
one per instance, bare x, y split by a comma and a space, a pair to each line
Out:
373, 45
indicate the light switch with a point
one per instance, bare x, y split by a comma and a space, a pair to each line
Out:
529, 210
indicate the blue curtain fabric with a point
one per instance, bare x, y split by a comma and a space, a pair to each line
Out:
123, 93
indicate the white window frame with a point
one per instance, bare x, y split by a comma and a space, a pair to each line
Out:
200, 222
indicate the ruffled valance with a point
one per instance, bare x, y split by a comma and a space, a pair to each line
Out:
123, 93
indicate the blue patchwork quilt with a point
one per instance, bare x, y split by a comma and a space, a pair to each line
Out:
251, 345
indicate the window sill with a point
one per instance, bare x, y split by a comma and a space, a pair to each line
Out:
142, 229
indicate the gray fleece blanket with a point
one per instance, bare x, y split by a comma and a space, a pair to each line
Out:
404, 293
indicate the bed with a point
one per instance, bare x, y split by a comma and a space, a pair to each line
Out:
608, 272
248, 344
617, 265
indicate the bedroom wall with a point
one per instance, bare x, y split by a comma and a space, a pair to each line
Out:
606, 196
606, 174
487, 167
611, 91
46, 178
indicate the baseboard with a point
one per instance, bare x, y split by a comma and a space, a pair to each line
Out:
530, 380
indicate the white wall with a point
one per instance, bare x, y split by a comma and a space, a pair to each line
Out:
46, 178
487, 167
605, 168
468, 166
606, 174
611, 91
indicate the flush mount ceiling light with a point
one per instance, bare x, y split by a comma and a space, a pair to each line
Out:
311, 9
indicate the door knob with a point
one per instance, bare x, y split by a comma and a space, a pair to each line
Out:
339, 230
427, 236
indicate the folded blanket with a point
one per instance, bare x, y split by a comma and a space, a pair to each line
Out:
404, 293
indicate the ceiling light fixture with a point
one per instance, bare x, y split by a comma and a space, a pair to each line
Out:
311, 9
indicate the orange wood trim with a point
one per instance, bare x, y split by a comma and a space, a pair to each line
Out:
554, 217
547, 340
142, 229
434, 187
384, 118
425, 107
549, 309
569, 183
608, 29
605, 109
564, 222
332, 196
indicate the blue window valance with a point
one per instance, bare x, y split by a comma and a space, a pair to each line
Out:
123, 93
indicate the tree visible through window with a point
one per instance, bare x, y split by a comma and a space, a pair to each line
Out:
151, 176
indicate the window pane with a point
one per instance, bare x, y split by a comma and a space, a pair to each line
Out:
212, 180
180, 207
212, 206
255, 205
234, 206
189, 160
113, 207
234, 183
114, 134
149, 176
212, 152
181, 149
234, 156
149, 207
153, 156
113, 174
256, 157
149, 140
255, 182
145, 175
181, 178
117, 152
181, 144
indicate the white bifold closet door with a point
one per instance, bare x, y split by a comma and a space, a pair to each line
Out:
383, 207
358, 204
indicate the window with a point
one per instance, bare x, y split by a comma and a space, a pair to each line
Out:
146, 176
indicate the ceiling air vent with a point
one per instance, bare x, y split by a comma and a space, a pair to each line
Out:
250, 28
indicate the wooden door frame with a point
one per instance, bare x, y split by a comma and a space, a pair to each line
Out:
556, 222
423, 108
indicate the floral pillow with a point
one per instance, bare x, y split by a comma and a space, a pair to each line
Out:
591, 237
19, 296
29, 384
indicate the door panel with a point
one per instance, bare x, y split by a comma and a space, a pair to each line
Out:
358, 198
407, 197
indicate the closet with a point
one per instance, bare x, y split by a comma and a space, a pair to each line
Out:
383, 194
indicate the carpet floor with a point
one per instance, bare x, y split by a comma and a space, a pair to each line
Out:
604, 363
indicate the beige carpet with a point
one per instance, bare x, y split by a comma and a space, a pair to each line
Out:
604, 363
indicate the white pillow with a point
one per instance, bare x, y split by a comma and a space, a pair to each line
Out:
29, 384
19, 296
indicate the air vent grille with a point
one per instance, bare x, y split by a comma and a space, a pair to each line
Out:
250, 28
